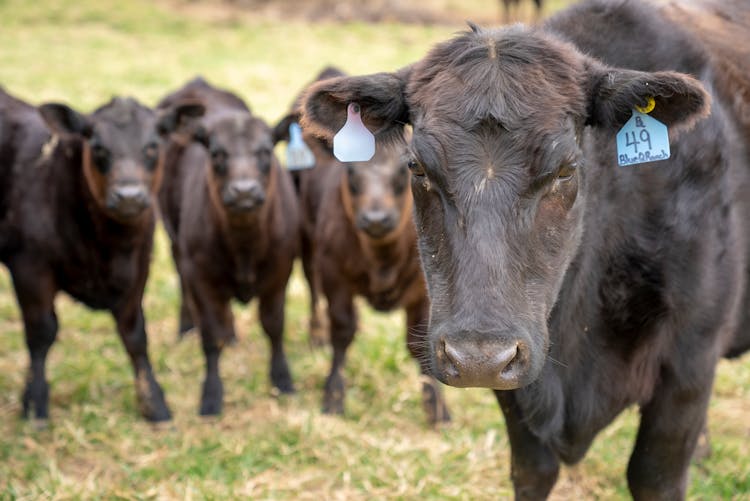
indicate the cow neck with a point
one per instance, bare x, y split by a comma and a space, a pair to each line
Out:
246, 235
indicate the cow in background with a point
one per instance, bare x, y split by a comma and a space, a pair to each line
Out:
231, 214
360, 241
77, 215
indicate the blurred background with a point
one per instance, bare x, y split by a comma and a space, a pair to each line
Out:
263, 446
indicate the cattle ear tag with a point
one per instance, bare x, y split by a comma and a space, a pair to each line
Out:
298, 155
642, 138
353, 143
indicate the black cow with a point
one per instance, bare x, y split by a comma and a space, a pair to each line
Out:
77, 215
573, 287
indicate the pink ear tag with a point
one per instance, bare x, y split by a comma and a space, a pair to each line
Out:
353, 143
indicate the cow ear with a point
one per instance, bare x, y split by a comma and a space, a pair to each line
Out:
680, 99
381, 98
64, 120
281, 129
177, 118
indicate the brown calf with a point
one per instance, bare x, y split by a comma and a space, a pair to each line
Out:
76, 216
365, 245
309, 184
232, 216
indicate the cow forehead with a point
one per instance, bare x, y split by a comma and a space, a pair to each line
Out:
514, 76
241, 130
123, 124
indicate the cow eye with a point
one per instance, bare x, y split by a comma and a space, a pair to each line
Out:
566, 172
219, 160
100, 157
264, 161
355, 186
151, 155
415, 167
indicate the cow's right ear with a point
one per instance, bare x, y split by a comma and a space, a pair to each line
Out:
64, 120
381, 98
179, 118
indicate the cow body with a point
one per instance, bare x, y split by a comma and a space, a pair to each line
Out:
232, 217
573, 287
68, 225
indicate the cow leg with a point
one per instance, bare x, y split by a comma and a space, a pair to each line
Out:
343, 323
670, 426
317, 332
217, 329
131, 327
433, 401
272, 319
35, 293
186, 317
534, 466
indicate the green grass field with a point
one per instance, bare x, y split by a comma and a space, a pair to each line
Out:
263, 447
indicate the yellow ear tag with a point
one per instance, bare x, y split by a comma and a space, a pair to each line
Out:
650, 105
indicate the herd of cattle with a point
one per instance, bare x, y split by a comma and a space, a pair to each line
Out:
571, 287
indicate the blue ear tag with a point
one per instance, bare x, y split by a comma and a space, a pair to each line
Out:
353, 143
642, 138
298, 155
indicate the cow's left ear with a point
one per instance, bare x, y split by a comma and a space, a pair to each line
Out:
680, 99
176, 117
64, 120
281, 129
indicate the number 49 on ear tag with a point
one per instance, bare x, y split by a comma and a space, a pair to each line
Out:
642, 139
353, 143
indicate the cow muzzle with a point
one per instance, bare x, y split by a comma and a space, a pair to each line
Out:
500, 361
127, 200
244, 195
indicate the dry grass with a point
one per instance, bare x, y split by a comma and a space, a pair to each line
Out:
262, 447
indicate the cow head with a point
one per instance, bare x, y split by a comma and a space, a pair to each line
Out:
122, 153
239, 151
375, 194
504, 123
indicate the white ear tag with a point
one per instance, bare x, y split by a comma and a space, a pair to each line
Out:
298, 155
353, 143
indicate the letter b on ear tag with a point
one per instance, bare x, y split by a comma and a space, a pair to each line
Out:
353, 143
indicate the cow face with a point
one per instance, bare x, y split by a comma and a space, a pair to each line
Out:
122, 153
503, 127
375, 194
240, 154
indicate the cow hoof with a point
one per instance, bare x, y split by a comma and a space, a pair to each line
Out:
283, 383
210, 407
333, 403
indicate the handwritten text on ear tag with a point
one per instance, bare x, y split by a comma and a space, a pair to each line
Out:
298, 155
353, 143
642, 139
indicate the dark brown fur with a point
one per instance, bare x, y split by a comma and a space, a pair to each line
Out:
573, 287
232, 216
81, 222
